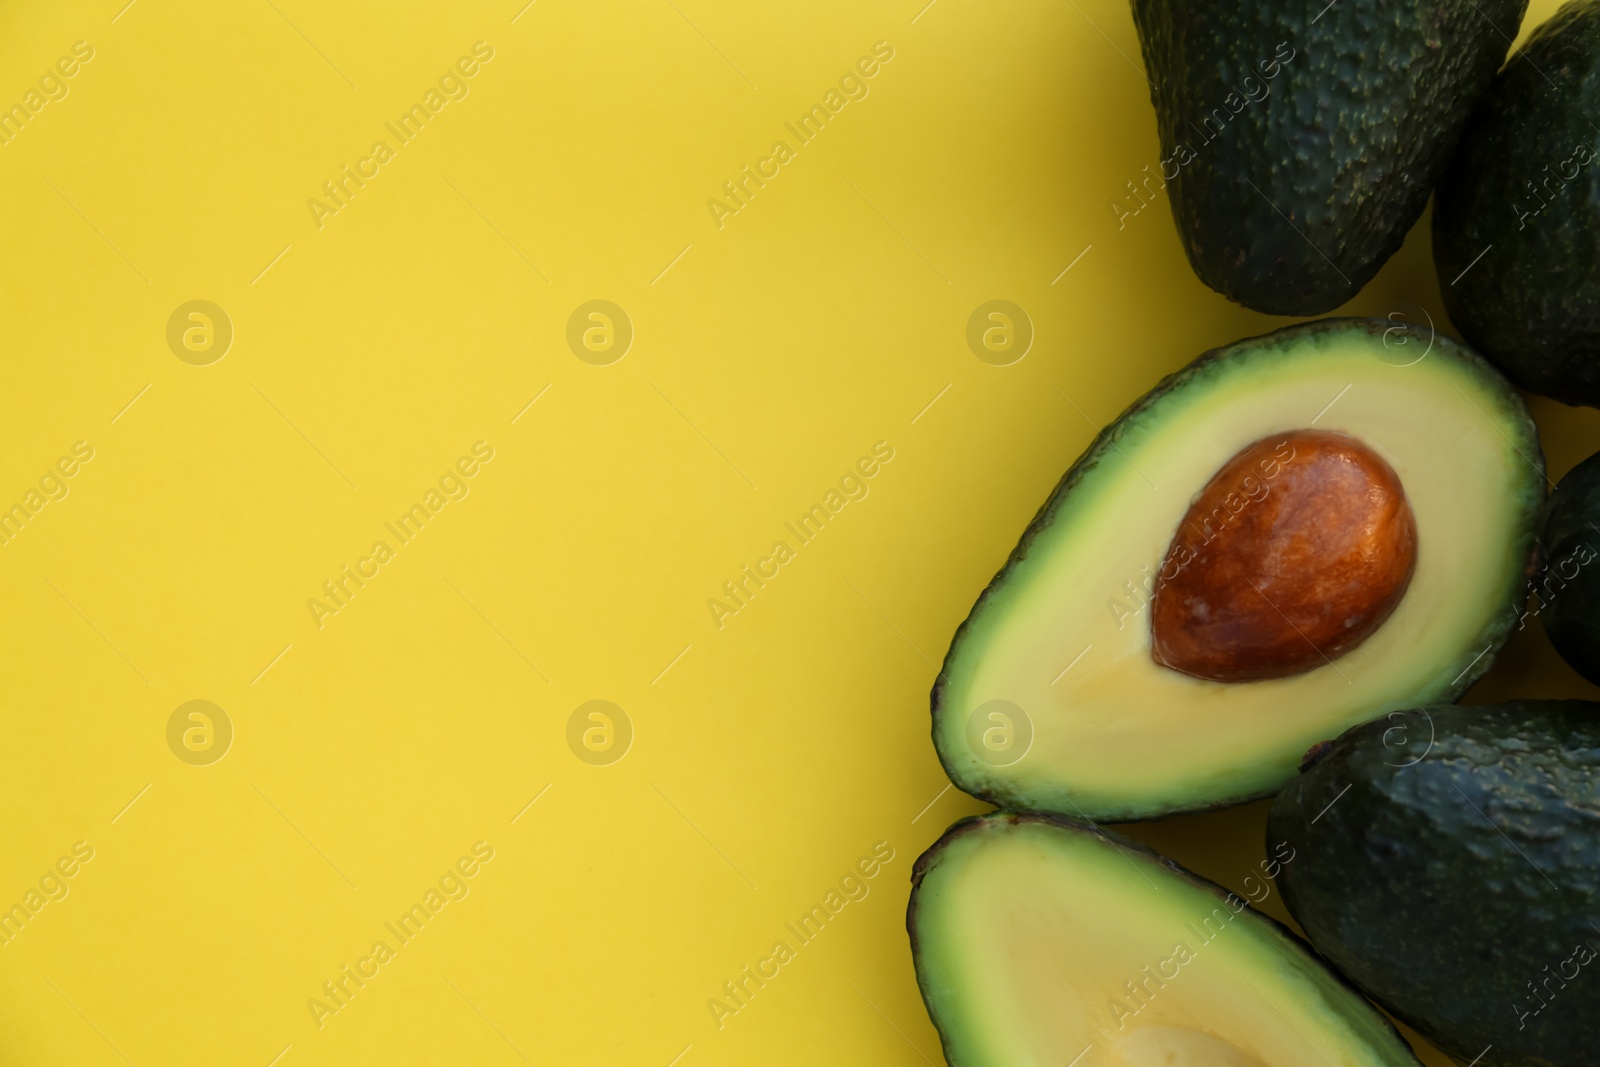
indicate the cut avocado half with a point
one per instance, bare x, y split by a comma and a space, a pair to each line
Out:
1040, 942
1055, 694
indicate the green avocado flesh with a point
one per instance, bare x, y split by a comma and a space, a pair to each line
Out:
1301, 140
1040, 942
1049, 698
1447, 860
1517, 218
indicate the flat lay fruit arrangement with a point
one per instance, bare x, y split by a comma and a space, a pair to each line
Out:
1277, 570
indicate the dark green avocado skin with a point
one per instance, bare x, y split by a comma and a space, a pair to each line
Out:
1567, 590
1447, 860
1523, 192
1301, 141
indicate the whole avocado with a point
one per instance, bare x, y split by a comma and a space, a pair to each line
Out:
1301, 141
1447, 860
1516, 224
1568, 583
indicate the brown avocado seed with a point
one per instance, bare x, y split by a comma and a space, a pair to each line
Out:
1292, 555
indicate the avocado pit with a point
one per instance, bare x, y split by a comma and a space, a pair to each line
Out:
1294, 553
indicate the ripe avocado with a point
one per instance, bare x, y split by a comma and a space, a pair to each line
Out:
1301, 141
1037, 940
1568, 586
1517, 216
1445, 860
1051, 697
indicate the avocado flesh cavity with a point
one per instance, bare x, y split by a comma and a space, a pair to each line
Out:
1300, 142
1039, 941
1447, 860
1059, 644
1517, 216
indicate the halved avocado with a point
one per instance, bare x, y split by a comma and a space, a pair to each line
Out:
1039, 941
1054, 695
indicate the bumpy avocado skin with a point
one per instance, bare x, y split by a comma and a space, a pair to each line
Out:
1568, 586
1447, 860
1523, 193
1300, 142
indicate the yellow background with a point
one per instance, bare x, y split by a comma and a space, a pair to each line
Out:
768, 355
